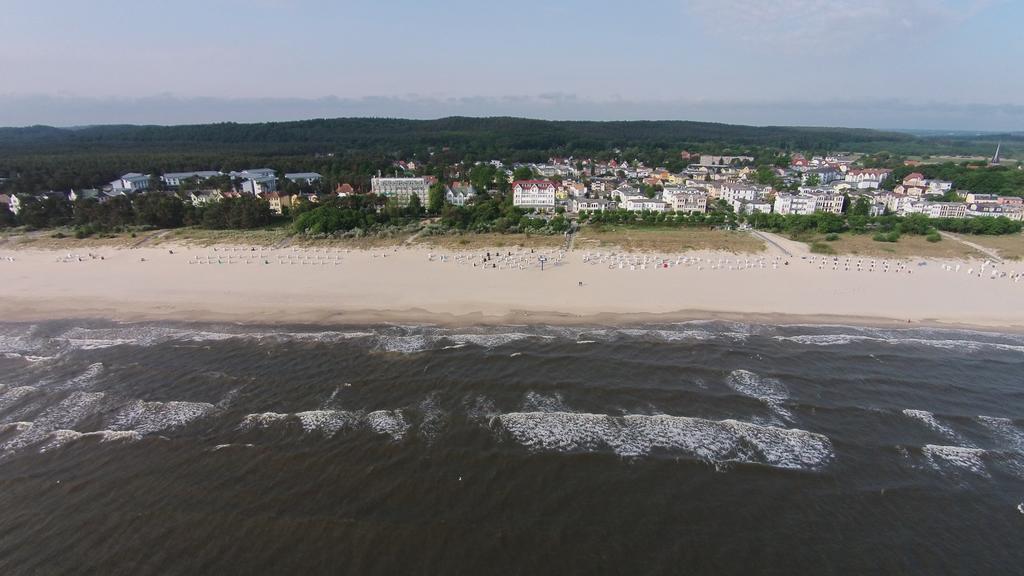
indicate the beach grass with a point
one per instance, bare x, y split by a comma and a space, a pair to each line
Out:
674, 240
1009, 246
908, 246
483, 241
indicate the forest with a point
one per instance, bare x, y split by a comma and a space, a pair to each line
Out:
350, 150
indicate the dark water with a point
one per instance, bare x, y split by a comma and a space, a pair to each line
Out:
698, 448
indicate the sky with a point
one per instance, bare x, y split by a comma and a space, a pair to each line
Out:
899, 64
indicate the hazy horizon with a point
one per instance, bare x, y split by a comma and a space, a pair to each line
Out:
885, 64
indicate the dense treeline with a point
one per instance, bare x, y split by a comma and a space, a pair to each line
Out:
352, 149
90, 216
919, 224
1000, 180
461, 132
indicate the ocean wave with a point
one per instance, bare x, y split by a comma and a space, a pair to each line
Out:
86, 379
263, 420
536, 402
83, 338
59, 438
1008, 432
770, 391
15, 395
433, 418
899, 339
639, 435
65, 415
152, 417
16, 427
329, 422
958, 457
929, 420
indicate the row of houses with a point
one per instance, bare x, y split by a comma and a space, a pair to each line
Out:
253, 181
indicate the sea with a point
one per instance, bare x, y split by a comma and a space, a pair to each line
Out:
684, 448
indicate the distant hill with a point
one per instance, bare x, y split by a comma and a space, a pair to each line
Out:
471, 134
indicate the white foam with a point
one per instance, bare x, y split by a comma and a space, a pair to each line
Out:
432, 417
65, 415
219, 447
945, 344
84, 380
59, 438
480, 409
930, 421
403, 344
264, 420
638, 435
16, 427
390, 422
328, 422
14, 395
536, 402
151, 417
969, 459
768, 390
1005, 429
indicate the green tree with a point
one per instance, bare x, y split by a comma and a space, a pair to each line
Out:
435, 198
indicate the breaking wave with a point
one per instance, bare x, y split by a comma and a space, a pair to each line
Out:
768, 390
152, 417
639, 435
957, 457
330, 422
929, 420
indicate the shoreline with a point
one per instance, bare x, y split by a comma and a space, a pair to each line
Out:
411, 285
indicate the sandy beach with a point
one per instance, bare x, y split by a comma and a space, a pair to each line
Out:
246, 284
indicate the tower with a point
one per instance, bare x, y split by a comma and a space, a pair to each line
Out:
995, 158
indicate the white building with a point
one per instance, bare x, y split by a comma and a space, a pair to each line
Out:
131, 182
751, 207
867, 177
460, 193
259, 185
807, 203
715, 160
646, 204
687, 200
402, 189
591, 205
533, 193
174, 179
303, 178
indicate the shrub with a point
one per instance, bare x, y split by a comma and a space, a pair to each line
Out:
832, 237
886, 237
933, 237
59, 235
821, 248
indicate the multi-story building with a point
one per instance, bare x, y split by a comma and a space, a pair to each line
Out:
131, 182
643, 204
867, 177
591, 205
533, 193
175, 179
687, 200
402, 189
460, 193
808, 203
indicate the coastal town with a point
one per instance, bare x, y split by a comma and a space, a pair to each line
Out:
804, 186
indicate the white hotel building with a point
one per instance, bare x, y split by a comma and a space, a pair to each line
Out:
533, 193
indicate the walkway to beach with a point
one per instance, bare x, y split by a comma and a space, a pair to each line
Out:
986, 251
